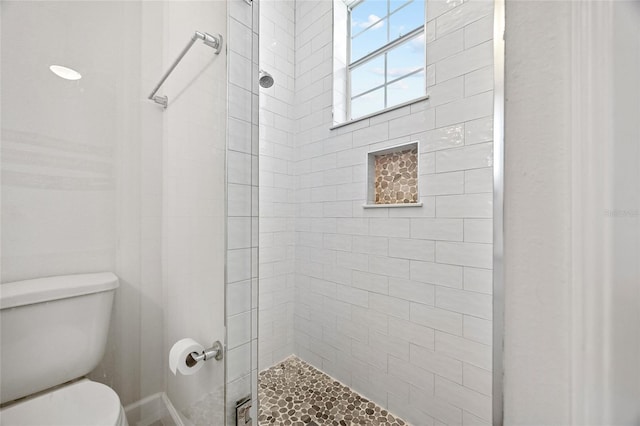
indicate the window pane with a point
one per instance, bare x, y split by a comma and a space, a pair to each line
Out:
366, 13
406, 89
369, 40
367, 104
406, 19
400, 70
367, 76
406, 58
394, 4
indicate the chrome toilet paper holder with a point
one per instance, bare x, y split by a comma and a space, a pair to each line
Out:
214, 352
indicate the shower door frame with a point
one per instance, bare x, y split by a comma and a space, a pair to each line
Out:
498, 211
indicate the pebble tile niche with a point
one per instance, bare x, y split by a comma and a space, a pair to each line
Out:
396, 176
293, 393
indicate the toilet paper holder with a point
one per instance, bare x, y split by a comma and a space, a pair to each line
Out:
214, 352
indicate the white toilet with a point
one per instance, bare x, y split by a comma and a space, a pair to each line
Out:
54, 332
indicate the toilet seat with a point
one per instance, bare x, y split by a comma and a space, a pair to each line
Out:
82, 403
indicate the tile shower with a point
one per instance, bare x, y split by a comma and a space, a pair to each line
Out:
394, 303
292, 392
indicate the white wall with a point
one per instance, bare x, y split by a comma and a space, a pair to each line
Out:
277, 182
136, 323
153, 364
572, 234
396, 302
537, 213
623, 196
59, 140
80, 167
193, 202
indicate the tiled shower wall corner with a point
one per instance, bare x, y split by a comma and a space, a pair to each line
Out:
397, 302
277, 204
242, 207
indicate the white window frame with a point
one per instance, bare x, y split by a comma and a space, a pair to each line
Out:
381, 51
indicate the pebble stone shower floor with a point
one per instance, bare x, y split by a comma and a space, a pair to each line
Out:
293, 393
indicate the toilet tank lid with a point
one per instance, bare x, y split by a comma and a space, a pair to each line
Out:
38, 290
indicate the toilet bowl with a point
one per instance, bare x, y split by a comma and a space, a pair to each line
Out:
81, 403
54, 332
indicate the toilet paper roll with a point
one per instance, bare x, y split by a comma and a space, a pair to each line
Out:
179, 357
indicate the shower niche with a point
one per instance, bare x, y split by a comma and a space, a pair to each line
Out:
392, 177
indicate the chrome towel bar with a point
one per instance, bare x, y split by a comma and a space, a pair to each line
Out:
214, 41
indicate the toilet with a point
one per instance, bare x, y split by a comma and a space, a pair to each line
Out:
54, 332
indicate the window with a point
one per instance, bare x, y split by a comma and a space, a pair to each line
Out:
386, 56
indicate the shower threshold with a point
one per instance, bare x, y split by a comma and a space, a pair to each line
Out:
294, 393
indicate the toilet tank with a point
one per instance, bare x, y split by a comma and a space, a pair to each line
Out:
52, 330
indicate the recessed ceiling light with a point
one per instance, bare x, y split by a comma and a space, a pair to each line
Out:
64, 72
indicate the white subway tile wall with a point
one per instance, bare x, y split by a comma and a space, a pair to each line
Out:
395, 303
242, 207
277, 184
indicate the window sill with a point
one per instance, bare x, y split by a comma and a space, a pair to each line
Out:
382, 206
382, 111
